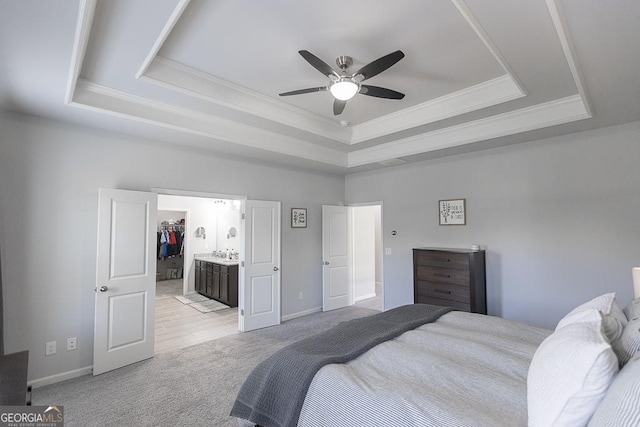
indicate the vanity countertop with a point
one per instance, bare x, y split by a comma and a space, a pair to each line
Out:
216, 260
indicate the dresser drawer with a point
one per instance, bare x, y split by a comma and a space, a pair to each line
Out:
443, 275
443, 291
445, 303
443, 259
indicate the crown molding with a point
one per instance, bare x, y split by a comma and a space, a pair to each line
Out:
111, 101
484, 37
543, 115
569, 52
195, 83
86, 11
486, 94
162, 37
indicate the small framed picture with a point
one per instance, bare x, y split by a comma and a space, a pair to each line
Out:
452, 212
298, 218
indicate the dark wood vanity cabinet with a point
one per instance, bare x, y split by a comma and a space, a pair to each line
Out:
229, 284
201, 277
217, 281
450, 277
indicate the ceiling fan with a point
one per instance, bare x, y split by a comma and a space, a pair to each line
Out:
344, 86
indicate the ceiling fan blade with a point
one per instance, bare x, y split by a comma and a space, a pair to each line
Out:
379, 65
301, 91
338, 106
318, 63
380, 92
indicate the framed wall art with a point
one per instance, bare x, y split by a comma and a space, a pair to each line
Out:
298, 218
452, 212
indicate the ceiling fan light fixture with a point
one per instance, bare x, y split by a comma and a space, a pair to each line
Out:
344, 89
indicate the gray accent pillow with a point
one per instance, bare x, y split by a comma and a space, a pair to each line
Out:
633, 309
612, 327
618, 313
620, 405
629, 342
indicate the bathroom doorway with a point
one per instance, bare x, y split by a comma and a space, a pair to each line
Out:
184, 316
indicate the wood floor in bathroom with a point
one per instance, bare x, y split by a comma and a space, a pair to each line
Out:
179, 326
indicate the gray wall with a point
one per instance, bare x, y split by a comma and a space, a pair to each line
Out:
49, 178
559, 218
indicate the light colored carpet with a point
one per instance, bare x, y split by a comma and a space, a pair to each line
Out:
194, 386
201, 303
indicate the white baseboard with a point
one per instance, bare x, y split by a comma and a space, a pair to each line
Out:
301, 313
365, 296
41, 382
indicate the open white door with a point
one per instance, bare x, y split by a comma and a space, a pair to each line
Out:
125, 279
336, 255
259, 296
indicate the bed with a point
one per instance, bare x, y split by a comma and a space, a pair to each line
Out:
422, 365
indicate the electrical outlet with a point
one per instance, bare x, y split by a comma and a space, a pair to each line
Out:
50, 348
300, 296
72, 343
387, 251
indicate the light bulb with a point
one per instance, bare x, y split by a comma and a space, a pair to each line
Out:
344, 89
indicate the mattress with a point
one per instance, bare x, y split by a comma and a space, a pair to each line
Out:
464, 369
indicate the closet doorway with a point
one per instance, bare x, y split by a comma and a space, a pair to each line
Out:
184, 316
367, 256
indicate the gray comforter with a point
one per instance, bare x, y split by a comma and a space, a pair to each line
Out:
274, 392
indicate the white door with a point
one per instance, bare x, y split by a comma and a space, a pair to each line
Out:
125, 279
336, 256
259, 296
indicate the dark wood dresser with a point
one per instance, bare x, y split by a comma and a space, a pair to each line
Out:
450, 277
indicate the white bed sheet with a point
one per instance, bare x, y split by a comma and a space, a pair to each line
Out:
462, 370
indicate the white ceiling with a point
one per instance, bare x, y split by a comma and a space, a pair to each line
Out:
207, 73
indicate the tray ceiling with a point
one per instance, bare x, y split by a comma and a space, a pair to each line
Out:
207, 74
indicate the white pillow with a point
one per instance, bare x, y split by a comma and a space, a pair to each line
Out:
605, 304
569, 375
582, 315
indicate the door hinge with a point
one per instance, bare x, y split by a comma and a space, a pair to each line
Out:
242, 312
242, 264
243, 217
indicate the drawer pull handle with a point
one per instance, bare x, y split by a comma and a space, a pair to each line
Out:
448, 276
441, 291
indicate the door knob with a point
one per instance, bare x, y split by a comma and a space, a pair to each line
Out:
325, 263
275, 268
103, 289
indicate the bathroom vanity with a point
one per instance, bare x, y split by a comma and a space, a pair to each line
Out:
217, 278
